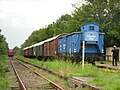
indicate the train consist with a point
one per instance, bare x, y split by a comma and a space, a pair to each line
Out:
10, 53
70, 45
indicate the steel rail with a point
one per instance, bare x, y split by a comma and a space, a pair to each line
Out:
65, 77
54, 85
22, 86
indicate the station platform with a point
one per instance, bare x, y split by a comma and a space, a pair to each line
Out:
109, 66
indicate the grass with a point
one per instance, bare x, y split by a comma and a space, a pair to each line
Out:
4, 82
56, 79
104, 78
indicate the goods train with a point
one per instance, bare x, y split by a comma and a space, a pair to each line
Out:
10, 53
70, 45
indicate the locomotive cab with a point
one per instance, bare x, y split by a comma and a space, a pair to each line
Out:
90, 32
94, 43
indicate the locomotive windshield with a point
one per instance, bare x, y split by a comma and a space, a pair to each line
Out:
91, 27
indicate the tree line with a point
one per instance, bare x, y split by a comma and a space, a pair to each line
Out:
104, 12
3, 44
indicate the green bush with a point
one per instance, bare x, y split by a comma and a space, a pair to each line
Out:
4, 82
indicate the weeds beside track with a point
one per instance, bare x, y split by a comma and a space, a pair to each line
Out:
104, 78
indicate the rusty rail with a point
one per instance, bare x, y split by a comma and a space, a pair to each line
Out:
22, 86
54, 85
75, 81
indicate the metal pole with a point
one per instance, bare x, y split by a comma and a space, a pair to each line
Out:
83, 53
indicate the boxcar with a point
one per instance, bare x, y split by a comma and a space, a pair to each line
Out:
62, 46
26, 52
69, 45
51, 47
38, 50
46, 49
30, 49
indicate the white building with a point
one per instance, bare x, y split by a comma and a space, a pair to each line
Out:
109, 53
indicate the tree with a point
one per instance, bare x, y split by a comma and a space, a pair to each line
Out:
3, 44
17, 50
35, 37
105, 13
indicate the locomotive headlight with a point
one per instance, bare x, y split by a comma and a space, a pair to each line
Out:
75, 50
102, 50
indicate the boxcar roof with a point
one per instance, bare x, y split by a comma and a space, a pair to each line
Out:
73, 33
37, 44
42, 42
25, 48
28, 47
50, 39
69, 34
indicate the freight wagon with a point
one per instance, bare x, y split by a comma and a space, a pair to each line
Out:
43, 50
26, 52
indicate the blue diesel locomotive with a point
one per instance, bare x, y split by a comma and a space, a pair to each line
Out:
70, 46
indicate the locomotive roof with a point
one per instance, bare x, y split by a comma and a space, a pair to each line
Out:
90, 23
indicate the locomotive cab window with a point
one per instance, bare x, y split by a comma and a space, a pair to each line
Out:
83, 27
91, 27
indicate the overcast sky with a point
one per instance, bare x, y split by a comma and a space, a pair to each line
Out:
19, 18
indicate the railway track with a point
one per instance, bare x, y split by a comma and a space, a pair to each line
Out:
73, 83
31, 80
